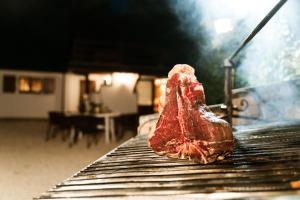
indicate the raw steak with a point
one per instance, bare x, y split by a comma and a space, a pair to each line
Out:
186, 128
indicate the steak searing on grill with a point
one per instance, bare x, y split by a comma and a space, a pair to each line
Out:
186, 128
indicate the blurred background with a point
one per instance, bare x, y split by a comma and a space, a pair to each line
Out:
65, 63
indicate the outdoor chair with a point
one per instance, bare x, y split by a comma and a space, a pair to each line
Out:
88, 126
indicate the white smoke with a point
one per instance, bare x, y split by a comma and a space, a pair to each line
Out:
274, 53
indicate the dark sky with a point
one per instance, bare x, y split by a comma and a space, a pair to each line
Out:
35, 33
106, 35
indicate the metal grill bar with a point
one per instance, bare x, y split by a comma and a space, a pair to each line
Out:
264, 161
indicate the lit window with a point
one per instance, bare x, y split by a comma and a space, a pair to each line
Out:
30, 85
159, 92
36, 85
24, 84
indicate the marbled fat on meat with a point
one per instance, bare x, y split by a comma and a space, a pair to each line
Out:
186, 128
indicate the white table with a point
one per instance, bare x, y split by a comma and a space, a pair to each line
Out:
109, 125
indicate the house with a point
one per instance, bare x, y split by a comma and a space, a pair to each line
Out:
32, 94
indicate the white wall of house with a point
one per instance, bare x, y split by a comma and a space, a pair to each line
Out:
120, 96
20, 105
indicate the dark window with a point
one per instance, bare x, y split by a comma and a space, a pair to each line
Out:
9, 83
48, 86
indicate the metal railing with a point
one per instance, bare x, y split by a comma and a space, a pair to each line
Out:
229, 64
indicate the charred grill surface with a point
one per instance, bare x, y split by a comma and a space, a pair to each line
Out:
265, 162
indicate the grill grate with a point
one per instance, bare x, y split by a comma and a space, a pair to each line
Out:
265, 162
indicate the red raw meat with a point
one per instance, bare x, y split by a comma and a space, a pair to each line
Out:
186, 128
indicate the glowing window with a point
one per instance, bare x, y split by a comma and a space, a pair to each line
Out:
159, 91
30, 85
36, 85
24, 84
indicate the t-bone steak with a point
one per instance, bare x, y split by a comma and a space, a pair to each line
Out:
186, 128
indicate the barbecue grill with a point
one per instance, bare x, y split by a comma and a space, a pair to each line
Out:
265, 163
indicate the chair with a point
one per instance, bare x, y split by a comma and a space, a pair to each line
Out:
88, 126
58, 122
126, 122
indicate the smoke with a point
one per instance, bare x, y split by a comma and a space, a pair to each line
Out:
273, 55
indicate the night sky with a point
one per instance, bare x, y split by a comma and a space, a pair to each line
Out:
35, 34
105, 35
